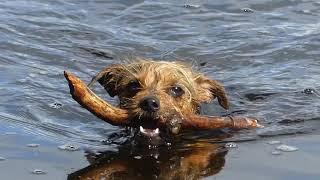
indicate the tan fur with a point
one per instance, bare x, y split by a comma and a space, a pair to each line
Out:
156, 78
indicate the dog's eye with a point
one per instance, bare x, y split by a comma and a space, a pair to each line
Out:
133, 86
176, 91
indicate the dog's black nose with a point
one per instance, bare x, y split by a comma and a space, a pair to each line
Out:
150, 104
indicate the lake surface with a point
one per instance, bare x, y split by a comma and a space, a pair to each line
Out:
266, 53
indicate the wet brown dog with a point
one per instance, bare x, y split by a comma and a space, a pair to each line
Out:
157, 98
156, 91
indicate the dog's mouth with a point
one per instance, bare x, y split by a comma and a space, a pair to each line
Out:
156, 126
150, 126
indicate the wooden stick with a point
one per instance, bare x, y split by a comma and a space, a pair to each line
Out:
119, 117
85, 97
215, 122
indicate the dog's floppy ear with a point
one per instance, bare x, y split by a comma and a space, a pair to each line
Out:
109, 78
209, 89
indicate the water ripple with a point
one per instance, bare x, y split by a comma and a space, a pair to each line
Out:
265, 58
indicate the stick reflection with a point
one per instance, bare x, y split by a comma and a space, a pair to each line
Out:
187, 161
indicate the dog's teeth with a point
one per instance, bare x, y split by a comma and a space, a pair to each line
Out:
149, 132
156, 131
142, 130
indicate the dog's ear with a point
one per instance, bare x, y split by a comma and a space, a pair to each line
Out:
109, 78
209, 89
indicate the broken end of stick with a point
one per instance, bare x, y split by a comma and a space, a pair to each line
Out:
97, 106
77, 87
246, 123
254, 123
257, 124
71, 80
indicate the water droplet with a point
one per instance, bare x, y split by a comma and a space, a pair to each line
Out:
247, 10
231, 145
33, 145
69, 147
22, 80
137, 157
32, 75
56, 105
38, 171
274, 142
286, 148
310, 91
43, 72
191, 6
2, 158
276, 153
156, 156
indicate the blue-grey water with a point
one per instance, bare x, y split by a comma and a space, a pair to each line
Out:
266, 53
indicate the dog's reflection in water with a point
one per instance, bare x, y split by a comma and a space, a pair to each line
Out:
188, 161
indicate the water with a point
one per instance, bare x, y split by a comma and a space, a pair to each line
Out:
266, 53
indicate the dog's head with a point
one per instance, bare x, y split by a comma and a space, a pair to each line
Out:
156, 92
